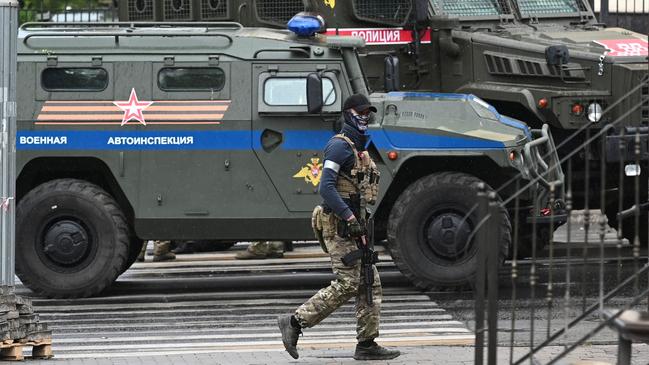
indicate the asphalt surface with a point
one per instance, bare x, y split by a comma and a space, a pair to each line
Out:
207, 303
214, 309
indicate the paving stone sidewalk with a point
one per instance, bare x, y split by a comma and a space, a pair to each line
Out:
445, 355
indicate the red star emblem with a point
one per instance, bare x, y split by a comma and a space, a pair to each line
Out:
133, 108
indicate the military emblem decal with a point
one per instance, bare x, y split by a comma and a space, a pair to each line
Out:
311, 172
330, 3
132, 112
133, 108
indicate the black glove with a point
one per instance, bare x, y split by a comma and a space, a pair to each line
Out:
354, 228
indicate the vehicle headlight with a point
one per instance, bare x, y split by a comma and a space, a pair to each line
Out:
594, 112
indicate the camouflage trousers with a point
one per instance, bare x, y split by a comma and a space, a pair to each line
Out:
348, 284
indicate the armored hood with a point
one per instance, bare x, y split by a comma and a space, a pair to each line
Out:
450, 121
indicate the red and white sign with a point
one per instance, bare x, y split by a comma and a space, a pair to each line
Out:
378, 36
632, 47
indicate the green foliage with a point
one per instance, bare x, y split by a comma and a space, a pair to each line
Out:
27, 16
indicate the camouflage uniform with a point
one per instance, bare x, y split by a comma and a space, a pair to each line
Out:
348, 284
350, 181
349, 280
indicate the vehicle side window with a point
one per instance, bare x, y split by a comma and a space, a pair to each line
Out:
291, 91
191, 79
74, 79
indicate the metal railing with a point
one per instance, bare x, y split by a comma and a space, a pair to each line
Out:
8, 28
629, 14
595, 276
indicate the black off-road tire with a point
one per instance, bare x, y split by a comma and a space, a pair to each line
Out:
134, 249
439, 196
86, 236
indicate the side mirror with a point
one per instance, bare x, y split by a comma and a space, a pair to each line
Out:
314, 93
391, 73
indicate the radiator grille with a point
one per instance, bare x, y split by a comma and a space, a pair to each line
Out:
498, 65
530, 68
501, 64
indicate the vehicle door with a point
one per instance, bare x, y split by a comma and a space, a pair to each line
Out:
286, 138
199, 172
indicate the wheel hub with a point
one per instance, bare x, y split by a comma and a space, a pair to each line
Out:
66, 242
448, 235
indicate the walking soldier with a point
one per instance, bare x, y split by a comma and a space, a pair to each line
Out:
349, 182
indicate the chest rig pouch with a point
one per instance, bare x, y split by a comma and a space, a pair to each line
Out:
324, 225
362, 184
363, 179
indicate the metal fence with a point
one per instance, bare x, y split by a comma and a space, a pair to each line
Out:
622, 6
594, 279
629, 14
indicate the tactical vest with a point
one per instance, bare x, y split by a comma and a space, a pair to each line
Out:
363, 179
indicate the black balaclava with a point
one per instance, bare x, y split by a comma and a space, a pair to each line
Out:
351, 130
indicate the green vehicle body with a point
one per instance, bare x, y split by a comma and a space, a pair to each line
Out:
495, 50
502, 53
238, 161
537, 61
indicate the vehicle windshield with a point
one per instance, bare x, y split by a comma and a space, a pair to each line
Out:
494, 8
529, 8
468, 8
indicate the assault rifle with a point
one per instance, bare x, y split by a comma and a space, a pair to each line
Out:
368, 258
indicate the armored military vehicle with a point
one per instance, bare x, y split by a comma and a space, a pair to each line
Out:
542, 61
215, 131
535, 60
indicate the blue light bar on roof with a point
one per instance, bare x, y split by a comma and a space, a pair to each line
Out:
305, 24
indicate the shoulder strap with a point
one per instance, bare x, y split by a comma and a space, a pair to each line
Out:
356, 158
349, 142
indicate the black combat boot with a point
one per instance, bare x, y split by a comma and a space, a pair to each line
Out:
290, 334
370, 350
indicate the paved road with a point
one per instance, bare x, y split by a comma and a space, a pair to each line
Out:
210, 308
208, 303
